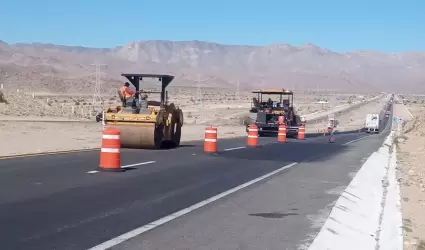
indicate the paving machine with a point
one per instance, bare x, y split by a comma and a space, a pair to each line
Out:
268, 112
144, 123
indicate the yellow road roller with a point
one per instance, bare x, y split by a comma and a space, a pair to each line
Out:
144, 123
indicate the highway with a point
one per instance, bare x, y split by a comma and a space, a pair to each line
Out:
62, 202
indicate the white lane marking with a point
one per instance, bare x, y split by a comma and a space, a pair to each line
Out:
408, 111
230, 149
126, 236
358, 139
138, 164
125, 166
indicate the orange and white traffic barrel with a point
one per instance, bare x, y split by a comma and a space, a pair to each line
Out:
210, 141
301, 133
252, 135
110, 157
281, 133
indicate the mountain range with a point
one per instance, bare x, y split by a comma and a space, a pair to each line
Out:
59, 68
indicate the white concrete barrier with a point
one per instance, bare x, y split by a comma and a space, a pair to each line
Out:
367, 214
391, 236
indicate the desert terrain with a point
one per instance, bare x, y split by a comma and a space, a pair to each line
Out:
411, 158
36, 117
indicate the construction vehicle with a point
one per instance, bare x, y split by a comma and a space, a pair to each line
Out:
143, 123
268, 112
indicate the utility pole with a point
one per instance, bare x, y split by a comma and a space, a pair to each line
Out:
199, 96
199, 92
97, 95
3, 77
133, 47
237, 97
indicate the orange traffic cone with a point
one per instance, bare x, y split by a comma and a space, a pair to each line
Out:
252, 135
210, 141
301, 133
110, 158
281, 134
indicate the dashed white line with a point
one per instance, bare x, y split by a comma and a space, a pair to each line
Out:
230, 149
138, 164
126, 236
125, 166
358, 139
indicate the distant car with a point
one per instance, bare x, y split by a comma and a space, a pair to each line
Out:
387, 114
99, 117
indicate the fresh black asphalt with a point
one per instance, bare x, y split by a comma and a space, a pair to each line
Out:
51, 202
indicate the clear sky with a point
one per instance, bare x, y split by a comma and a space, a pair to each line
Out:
340, 25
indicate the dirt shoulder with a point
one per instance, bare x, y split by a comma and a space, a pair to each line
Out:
411, 161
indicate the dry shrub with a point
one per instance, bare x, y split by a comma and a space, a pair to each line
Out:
2, 98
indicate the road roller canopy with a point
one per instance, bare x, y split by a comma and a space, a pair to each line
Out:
268, 100
164, 79
272, 92
136, 78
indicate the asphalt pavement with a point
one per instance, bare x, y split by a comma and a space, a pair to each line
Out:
61, 202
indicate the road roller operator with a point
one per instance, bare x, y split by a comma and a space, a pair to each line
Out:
125, 92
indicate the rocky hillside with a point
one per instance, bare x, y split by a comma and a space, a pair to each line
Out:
49, 67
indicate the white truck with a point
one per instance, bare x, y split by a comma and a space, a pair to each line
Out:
372, 123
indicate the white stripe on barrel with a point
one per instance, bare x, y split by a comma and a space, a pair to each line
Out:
113, 137
110, 150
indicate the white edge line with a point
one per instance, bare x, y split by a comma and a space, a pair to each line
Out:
126, 166
126, 236
358, 139
408, 111
138, 164
230, 149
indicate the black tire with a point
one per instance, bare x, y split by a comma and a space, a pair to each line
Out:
181, 118
159, 134
177, 135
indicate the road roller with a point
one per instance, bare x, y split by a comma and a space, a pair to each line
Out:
145, 123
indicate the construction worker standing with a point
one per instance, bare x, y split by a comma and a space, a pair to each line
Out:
125, 93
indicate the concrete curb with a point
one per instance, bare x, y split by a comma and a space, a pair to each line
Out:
48, 153
367, 215
391, 237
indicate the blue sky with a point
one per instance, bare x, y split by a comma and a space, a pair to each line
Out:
390, 26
